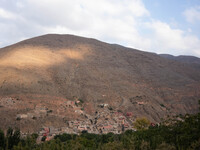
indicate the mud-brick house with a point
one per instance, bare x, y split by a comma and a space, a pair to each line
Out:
22, 116
48, 138
129, 114
79, 111
107, 128
52, 130
41, 109
126, 125
30, 115
45, 131
82, 128
70, 104
141, 103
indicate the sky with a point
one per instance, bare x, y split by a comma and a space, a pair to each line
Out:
159, 26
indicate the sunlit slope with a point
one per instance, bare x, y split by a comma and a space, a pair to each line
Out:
38, 57
30, 68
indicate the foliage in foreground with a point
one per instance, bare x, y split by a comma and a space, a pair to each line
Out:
173, 134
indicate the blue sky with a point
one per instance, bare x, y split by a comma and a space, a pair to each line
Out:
172, 11
160, 26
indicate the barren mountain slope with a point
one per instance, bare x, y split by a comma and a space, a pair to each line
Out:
182, 58
64, 66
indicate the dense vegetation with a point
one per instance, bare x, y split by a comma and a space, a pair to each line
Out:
177, 133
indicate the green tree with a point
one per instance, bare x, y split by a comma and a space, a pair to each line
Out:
128, 141
2, 140
113, 146
64, 137
13, 138
195, 145
141, 123
9, 139
16, 137
43, 138
145, 145
165, 146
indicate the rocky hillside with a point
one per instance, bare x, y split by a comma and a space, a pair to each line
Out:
67, 66
182, 58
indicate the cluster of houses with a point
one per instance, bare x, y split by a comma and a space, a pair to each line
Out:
8, 102
38, 112
104, 121
42, 111
76, 105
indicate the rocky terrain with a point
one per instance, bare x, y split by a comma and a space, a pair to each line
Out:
39, 75
184, 59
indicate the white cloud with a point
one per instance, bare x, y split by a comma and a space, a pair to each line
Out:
113, 20
174, 41
192, 14
6, 14
125, 22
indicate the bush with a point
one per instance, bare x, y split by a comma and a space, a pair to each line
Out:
43, 138
162, 105
141, 123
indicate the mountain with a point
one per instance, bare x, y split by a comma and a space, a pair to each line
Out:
182, 58
189, 60
48, 70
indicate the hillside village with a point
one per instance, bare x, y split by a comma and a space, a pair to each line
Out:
104, 120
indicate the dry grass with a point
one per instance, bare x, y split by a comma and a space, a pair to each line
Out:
39, 57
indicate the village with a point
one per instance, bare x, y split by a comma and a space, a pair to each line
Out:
104, 121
